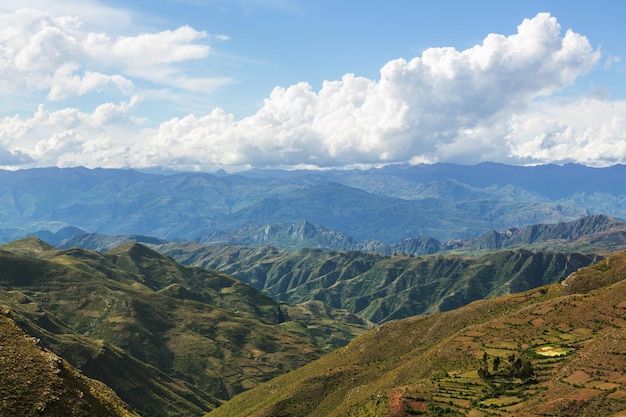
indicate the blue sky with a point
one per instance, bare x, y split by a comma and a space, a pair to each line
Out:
192, 84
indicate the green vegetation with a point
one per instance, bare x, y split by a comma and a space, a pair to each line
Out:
169, 339
381, 288
478, 360
175, 340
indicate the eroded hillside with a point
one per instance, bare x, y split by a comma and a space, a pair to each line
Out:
381, 288
36, 382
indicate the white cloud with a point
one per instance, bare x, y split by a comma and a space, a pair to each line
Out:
65, 84
151, 56
57, 54
494, 101
13, 159
439, 105
587, 131
42, 52
69, 137
610, 60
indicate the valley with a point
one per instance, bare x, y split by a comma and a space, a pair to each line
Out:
169, 339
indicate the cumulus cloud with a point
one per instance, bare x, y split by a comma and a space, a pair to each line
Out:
13, 159
69, 137
495, 101
440, 104
64, 83
588, 131
41, 51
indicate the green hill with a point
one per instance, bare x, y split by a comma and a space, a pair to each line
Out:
381, 288
559, 349
168, 339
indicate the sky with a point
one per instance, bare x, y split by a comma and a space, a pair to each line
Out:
239, 84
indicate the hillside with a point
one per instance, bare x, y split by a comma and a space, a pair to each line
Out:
559, 349
169, 339
36, 382
381, 288
566, 234
442, 201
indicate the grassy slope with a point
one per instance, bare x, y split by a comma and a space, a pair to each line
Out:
195, 337
36, 382
381, 288
429, 364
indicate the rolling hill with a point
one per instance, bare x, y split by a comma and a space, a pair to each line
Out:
381, 288
168, 339
559, 349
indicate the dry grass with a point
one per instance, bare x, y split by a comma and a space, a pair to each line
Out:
36, 382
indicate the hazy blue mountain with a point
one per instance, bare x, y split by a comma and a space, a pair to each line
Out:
390, 204
102, 242
591, 234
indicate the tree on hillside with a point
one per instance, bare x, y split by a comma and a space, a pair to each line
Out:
496, 364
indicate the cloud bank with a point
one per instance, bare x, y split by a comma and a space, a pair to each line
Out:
495, 101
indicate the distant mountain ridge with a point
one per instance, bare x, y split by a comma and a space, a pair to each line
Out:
385, 287
566, 231
304, 234
307, 235
390, 204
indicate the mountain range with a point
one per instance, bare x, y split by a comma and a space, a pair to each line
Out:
177, 340
390, 204
607, 233
404, 290
383, 287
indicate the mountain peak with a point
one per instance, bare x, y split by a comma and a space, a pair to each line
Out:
31, 246
157, 271
135, 250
